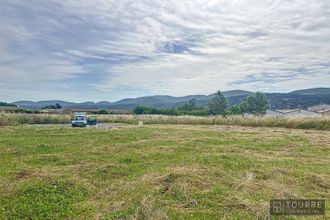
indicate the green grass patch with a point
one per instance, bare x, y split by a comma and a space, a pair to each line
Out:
45, 200
158, 171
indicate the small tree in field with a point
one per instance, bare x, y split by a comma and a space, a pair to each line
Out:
218, 104
256, 104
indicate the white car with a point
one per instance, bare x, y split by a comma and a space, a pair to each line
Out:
79, 119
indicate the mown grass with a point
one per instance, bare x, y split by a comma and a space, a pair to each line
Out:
158, 171
293, 122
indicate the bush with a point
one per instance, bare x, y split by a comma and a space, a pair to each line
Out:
103, 112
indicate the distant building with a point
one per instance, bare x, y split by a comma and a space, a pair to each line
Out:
323, 109
299, 113
67, 111
292, 113
248, 115
274, 113
319, 108
325, 113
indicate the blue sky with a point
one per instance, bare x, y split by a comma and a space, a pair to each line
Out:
108, 50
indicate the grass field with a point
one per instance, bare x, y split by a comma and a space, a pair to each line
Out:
158, 171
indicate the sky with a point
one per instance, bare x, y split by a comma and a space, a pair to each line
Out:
94, 50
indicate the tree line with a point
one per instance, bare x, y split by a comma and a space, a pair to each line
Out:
56, 106
7, 104
255, 104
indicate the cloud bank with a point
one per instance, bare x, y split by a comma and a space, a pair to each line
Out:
108, 50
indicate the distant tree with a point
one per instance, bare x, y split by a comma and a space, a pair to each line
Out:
6, 104
236, 110
139, 110
243, 106
193, 103
103, 112
168, 111
200, 112
56, 106
190, 106
256, 104
218, 104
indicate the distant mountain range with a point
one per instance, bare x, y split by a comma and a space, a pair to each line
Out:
295, 99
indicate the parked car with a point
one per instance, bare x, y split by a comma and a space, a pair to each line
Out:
92, 120
79, 119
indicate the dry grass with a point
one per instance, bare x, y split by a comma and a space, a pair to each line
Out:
17, 119
300, 123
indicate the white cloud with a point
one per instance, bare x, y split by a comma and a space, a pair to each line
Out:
166, 47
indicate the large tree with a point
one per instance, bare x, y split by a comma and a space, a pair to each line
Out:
218, 104
256, 104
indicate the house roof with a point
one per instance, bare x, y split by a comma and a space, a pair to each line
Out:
323, 111
275, 111
318, 108
286, 111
